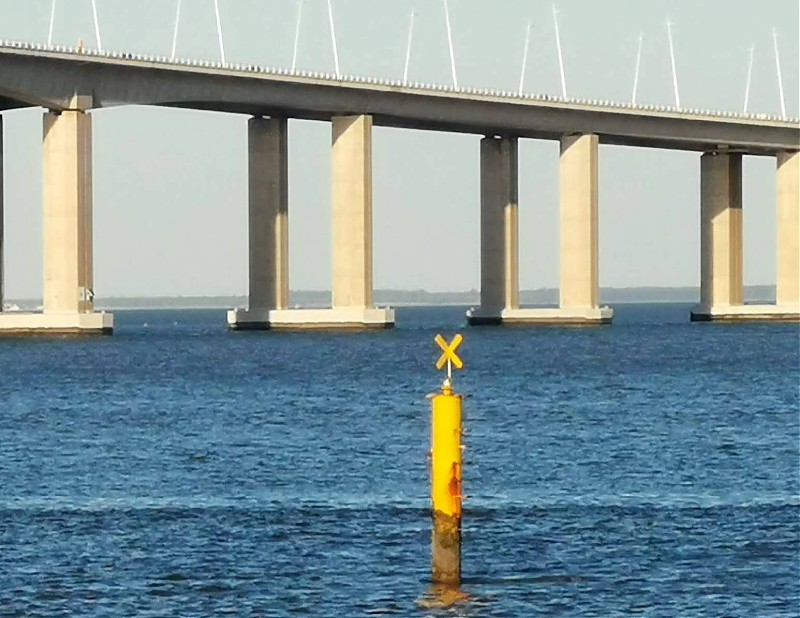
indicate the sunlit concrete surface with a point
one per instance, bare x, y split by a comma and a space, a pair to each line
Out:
579, 223
788, 219
67, 223
545, 316
351, 174
348, 318
18, 323
747, 313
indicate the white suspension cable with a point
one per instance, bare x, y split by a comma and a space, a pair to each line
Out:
333, 40
749, 78
297, 34
408, 47
52, 24
219, 32
560, 54
780, 76
96, 26
674, 70
636, 72
175, 32
525, 59
450, 43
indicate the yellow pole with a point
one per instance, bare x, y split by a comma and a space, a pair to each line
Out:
446, 430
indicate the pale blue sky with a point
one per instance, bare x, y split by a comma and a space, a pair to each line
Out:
170, 185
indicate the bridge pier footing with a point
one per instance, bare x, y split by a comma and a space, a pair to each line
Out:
721, 234
68, 261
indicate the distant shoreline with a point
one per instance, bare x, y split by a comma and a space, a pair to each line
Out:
410, 298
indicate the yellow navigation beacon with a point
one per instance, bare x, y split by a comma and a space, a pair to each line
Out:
446, 465
449, 356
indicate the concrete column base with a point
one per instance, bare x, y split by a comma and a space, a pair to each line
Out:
17, 323
746, 313
556, 316
340, 318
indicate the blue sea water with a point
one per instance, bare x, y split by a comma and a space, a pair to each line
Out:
175, 469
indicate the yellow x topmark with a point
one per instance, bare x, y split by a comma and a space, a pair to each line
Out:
449, 351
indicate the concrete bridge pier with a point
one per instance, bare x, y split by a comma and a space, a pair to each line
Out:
68, 268
721, 244
2, 222
352, 285
579, 287
579, 229
352, 304
268, 225
499, 231
788, 224
722, 247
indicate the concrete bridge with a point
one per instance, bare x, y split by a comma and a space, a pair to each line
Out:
68, 83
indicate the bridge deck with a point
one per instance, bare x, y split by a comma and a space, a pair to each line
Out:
33, 75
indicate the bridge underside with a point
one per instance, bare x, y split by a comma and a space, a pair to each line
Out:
6, 103
544, 128
451, 125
